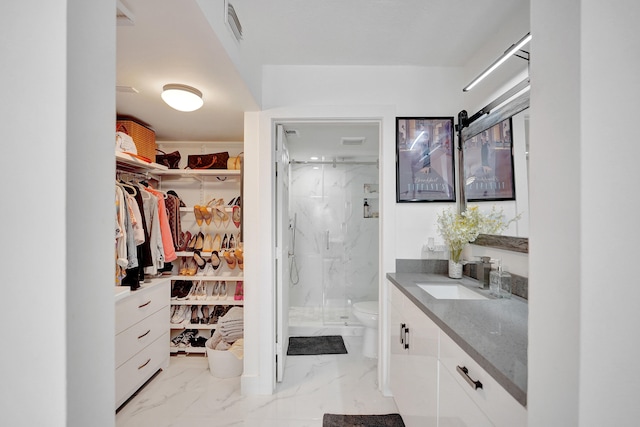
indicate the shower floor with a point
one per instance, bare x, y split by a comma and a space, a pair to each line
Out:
308, 321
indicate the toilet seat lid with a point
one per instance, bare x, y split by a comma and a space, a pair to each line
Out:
369, 307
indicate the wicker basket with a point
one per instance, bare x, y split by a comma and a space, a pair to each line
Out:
143, 137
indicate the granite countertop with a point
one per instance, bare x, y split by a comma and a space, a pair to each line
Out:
493, 331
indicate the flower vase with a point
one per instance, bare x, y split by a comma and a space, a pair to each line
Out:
455, 269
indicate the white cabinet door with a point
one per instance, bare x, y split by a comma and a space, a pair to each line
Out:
457, 409
413, 363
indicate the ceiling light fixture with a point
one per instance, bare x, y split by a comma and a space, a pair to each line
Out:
498, 62
182, 97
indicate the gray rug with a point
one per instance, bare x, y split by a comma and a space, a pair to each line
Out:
389, 420
307, 346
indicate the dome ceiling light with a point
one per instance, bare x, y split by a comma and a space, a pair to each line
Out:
182, 97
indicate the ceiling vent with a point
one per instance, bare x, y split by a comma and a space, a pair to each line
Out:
123, 14
233, 22
352, 140
127, 89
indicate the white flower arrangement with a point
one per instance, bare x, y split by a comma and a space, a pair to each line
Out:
459, 229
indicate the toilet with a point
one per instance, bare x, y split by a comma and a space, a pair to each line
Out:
367, 313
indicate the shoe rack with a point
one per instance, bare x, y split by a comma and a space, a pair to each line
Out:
211, 221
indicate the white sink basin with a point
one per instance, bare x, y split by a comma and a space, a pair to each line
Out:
452, 291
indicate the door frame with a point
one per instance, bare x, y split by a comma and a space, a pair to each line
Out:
259, 375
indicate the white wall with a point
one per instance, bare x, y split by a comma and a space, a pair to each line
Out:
57, 125
414, 91
583, 308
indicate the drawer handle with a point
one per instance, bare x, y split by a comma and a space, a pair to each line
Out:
145, 334
144, 364
406, 338
465, 374
145, 304
402, 326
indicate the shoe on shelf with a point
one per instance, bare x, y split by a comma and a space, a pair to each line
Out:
192, 267
186, 337
238, 253
216, 290
232, 242
216, 245
185, 238
202, 295
192, 243
198, 214
199, 242
180, 314
184, 290
236, 213
225, 242
206, 215
239, 294
223, 291
214, 260
208, 269
200, 262
195, 318
182, 269
231, 260
205, 314
208, 243
178, 289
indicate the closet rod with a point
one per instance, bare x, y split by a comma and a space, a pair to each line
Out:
129, 175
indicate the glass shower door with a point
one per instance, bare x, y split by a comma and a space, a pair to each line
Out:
336, 207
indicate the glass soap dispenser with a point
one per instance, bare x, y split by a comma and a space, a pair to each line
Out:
500, 282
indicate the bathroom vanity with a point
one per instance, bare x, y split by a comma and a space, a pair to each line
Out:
458, 356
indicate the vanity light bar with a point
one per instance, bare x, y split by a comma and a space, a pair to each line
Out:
513, 49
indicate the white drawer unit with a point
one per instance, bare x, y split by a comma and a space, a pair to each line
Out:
492, 399
435, 382
141, 303
413, 362
141, 337
132, 374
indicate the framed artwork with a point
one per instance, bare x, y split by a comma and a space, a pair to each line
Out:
424, 159
488, 164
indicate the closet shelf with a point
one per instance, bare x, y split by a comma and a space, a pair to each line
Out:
175, 350
190, 209
209, 302
126, 161
224, 277
199, 172
186, 325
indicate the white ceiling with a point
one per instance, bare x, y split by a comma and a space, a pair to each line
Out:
172, 42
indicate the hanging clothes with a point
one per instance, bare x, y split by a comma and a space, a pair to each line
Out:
172, 203
151, 214
167, 240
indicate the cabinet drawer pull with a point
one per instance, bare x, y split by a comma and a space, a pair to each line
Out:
402, 326
144, 364
145, 334
145, 304
465, 374
406, 338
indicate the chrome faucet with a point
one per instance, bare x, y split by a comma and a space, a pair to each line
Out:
483, 270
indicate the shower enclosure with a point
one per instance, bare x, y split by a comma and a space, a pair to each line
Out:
335, 250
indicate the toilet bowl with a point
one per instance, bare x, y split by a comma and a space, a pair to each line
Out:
367, 313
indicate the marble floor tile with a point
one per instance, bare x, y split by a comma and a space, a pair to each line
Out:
186, 394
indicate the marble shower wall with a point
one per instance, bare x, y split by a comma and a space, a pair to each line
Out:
336, 247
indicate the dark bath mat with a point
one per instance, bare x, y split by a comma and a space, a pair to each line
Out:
389, 420
306, 346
